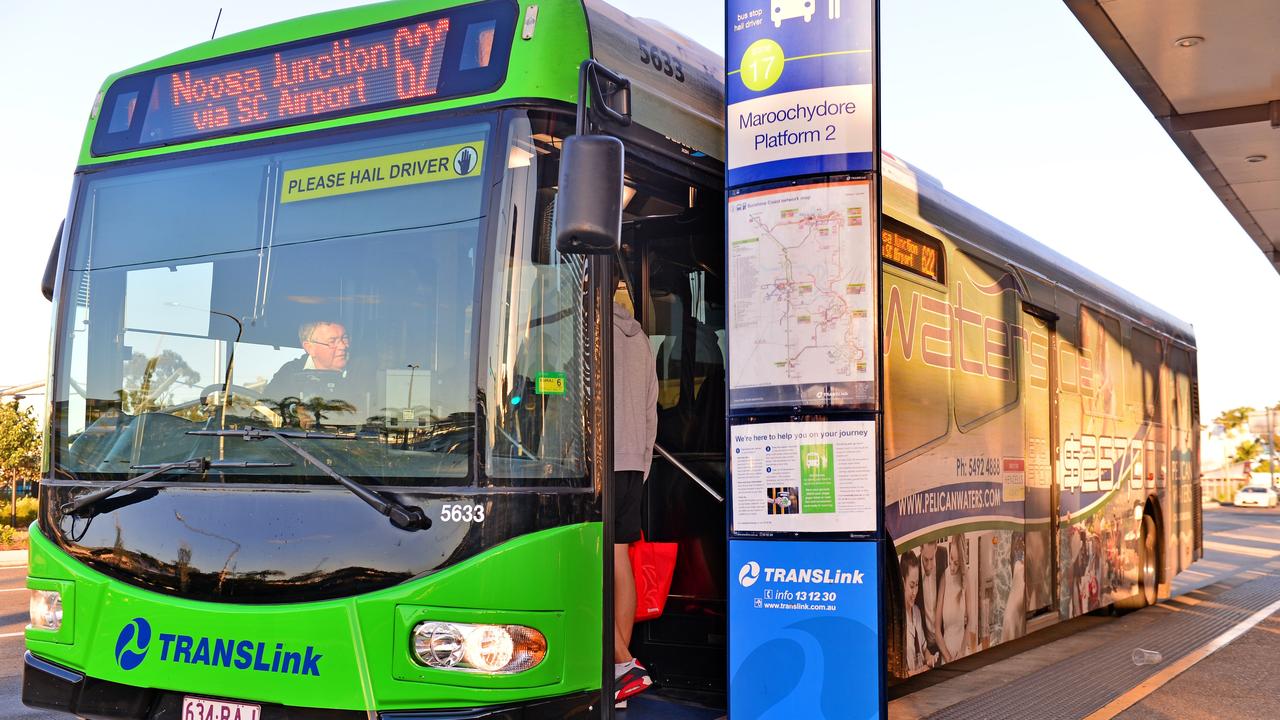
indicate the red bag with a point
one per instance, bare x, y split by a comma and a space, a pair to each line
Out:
653, 564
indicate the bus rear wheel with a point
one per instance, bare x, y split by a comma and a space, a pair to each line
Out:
1148, 566
1150, 555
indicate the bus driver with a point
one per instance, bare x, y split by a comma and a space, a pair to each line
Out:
319, 375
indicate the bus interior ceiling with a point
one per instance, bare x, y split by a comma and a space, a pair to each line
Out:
673, 242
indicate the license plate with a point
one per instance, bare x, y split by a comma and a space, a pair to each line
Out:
197, 708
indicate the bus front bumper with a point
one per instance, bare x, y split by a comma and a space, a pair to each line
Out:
53, 687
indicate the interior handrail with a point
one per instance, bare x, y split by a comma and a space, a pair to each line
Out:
684, 469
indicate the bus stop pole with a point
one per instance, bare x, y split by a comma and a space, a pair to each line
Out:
808, 550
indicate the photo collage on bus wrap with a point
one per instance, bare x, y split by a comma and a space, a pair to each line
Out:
962, 593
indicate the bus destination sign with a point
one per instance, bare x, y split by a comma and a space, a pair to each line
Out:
910, 254
444, 54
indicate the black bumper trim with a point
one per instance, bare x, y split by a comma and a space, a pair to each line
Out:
57, 671
53, 687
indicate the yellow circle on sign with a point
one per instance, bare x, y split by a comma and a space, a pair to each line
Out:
762, 64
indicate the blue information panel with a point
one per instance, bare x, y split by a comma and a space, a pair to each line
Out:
799, 88
804, 638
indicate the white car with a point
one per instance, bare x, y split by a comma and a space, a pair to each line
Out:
1256, 495
787, 9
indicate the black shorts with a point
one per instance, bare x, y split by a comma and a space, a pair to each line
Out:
628, 485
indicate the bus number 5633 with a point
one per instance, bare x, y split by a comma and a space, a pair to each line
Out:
461, 513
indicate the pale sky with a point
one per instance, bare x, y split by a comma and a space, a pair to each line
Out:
1008, 102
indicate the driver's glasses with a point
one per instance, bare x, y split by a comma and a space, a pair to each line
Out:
339, 341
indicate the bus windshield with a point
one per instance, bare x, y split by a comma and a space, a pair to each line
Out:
322, 287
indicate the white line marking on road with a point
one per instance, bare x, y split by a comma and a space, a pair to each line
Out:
13, 589
1251, 538
1241, 549
1215, 565
1155, 682
9, 635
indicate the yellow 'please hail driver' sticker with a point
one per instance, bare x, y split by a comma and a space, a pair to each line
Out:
449, 162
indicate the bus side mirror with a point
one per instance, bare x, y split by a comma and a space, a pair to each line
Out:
51, 266
589, 203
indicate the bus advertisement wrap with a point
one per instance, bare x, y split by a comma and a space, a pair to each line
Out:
807, 640
798, 88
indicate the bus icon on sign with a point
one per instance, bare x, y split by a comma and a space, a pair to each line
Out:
788, 9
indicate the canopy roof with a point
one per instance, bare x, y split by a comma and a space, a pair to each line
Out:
1209, 70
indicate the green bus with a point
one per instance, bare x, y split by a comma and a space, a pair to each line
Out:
308, 277
318, 272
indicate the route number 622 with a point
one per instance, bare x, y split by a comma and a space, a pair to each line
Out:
461, 513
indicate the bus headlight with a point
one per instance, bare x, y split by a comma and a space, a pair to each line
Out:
46, 609
499, 649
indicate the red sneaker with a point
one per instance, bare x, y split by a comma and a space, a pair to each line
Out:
632, 682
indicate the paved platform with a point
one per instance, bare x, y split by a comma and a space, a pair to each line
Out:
1084, 683
1238, 681
1214, 664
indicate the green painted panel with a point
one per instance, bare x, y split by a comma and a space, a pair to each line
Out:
344, 654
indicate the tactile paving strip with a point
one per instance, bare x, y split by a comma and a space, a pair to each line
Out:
1072, 688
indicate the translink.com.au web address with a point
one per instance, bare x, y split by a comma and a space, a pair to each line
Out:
768, 605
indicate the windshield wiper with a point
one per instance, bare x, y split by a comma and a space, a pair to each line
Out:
402, 516
194, 465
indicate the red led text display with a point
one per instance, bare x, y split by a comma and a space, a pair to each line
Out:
417, 60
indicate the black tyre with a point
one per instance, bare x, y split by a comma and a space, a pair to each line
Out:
1149, 557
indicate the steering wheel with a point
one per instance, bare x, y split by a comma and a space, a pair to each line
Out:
233, 389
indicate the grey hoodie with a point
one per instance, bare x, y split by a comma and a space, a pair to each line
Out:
635, 394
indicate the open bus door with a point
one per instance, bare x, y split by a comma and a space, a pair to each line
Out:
677, 259
674, 251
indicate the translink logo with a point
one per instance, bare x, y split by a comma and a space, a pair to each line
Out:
818, 576
134, 642
750, 573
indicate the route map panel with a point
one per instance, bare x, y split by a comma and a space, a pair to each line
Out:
802, 296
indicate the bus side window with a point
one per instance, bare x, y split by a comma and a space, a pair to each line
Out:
1144, 376
986, 310
1101, 363
917, 379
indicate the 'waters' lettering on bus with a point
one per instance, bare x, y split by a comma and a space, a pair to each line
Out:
955, 336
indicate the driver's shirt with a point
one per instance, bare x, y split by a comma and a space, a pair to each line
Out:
299, 379
302, 379
310, 364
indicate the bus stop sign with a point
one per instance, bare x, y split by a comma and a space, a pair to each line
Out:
799, 88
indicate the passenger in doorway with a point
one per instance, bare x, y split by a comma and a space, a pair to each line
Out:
635, 428
310, 386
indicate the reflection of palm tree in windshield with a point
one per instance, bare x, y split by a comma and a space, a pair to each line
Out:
148, 381
308, 413
318, 406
